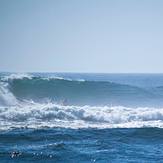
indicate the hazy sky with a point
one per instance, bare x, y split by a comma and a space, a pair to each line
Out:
81, 35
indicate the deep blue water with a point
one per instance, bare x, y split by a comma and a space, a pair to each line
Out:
82, 145
60, 117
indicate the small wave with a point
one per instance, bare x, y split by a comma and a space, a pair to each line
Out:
36, 115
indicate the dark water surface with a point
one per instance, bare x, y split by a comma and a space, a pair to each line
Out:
82, 145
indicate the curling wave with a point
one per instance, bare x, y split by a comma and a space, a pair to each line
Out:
34, 101
77, 92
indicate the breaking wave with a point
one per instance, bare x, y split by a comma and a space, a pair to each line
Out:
34, 115
35, 102
76, 92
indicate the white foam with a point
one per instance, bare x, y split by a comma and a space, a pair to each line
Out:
55, 78
6, 97
61, 78
29, 76
17, 76
34, 115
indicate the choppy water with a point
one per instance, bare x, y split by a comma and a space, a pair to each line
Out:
61, 117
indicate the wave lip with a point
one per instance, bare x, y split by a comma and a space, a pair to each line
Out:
35, 115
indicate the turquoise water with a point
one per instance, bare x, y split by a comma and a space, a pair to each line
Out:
60, 117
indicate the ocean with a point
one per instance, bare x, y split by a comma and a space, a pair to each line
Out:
81, 117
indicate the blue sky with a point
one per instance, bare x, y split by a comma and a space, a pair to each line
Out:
109, 36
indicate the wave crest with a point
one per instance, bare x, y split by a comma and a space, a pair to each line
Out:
17, 76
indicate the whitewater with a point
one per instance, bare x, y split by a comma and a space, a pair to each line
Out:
29, 112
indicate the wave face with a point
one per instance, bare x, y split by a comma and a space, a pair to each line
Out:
76, 92
57, 101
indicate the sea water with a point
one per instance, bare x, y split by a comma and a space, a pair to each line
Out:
68, 117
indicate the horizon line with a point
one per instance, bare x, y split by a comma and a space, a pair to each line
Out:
71, 72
